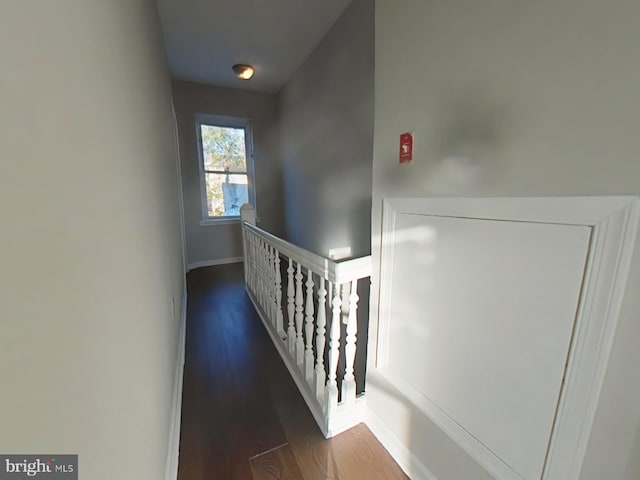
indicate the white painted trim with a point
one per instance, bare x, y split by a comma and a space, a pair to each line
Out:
346, 416
225, 121
213, 263
352, 269
406, 460
214, 222
335, 271
481, 454
613, 242
183, 235
387, 241
562, 210
173, 452
614, 223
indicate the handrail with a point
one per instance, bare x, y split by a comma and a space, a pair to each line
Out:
335, 271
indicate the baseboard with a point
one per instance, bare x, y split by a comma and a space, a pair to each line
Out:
171, 469
407, 461
213, 263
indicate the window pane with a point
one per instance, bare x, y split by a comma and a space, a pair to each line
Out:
223, 148
226, 194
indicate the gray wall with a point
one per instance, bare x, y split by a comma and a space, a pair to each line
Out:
219, 242
326, 119
90, 244
513, 98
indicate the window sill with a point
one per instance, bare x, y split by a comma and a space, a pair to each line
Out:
212, 222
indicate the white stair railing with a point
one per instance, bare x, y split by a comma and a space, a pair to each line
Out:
299, 330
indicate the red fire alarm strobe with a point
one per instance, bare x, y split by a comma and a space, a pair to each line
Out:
406, 147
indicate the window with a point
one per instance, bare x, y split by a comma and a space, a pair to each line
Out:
224, 152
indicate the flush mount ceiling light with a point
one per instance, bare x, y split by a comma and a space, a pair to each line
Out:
245, 72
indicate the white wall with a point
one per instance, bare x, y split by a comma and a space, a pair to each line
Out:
90, 244
326, 121
219, 242
512, 98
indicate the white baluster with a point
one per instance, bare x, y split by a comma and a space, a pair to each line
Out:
349, 381
256, 247
245, 253
265, 279
291, 332
320, 374
334, 350
274, 288
271, 290
308, 330
345, 290
279, 326
252, 246
260, 273
299, 317
256, 265
249, 259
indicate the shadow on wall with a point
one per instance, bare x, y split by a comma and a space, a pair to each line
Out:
467, 130
438, 445
473, 125
421, 435
341, 210
294, 187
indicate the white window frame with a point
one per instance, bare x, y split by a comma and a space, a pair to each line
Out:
231, 122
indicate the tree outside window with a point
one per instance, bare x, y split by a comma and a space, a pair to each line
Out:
223, 156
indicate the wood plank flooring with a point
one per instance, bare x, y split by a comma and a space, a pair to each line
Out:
242, 415
277, 464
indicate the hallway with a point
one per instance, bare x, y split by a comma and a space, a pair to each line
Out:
242, 415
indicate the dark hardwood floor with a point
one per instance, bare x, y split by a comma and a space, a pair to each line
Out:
242, 415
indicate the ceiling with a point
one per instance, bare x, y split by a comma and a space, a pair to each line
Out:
204, 38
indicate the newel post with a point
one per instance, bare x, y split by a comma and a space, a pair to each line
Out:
248, 213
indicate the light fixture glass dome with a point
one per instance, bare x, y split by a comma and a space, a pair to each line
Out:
245, 72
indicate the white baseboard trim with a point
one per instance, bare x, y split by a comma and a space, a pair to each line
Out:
213, 263
173, 452
407, 461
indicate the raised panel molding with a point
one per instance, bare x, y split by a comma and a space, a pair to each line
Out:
613, 222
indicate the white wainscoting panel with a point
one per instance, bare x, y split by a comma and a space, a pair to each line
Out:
484, 303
